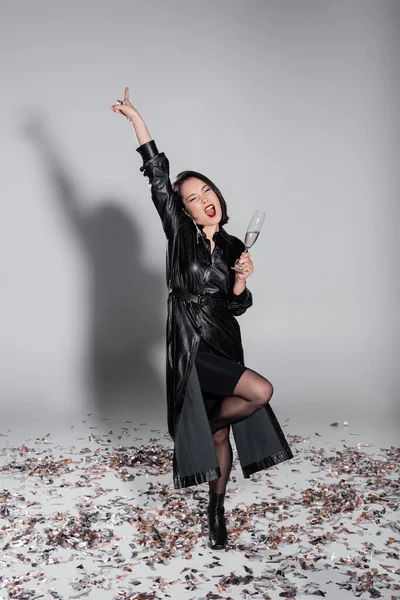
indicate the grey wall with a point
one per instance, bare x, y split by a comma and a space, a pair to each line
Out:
291, 107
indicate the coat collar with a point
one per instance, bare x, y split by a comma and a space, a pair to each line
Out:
220, 232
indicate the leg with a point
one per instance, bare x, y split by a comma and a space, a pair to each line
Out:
251, 393
225, 455
216, 517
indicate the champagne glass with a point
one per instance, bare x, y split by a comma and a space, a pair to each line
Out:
252, 233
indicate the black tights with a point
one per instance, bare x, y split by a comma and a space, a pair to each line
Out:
251, 393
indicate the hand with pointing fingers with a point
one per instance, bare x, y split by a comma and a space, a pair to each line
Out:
124, 107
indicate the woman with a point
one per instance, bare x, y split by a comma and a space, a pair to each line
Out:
208, 387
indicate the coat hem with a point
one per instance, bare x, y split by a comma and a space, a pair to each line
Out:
268, 461
196, 478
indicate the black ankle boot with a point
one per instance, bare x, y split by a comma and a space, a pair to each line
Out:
217, 534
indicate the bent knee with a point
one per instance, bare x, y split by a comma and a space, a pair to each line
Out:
265, 391
221, 436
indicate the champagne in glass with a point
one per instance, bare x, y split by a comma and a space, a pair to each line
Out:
253, 231
250, 239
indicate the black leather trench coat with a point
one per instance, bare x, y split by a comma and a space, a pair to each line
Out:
198, 308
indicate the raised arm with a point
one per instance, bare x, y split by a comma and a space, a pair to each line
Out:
155, 167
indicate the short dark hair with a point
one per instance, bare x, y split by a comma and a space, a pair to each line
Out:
184, 175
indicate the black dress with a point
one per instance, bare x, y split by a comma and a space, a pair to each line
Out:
218, 375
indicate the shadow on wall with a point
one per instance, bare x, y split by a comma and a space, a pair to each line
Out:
125, 321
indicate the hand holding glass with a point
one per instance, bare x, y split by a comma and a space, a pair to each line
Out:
252, 234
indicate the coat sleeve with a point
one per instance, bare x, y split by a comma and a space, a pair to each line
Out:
239, 304
156, 169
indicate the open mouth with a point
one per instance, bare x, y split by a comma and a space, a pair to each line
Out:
210, 210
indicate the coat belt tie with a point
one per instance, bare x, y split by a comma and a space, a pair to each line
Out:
202, 299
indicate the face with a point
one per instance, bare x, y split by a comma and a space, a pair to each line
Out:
198, 199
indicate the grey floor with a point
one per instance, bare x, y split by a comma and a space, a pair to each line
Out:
78, 518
